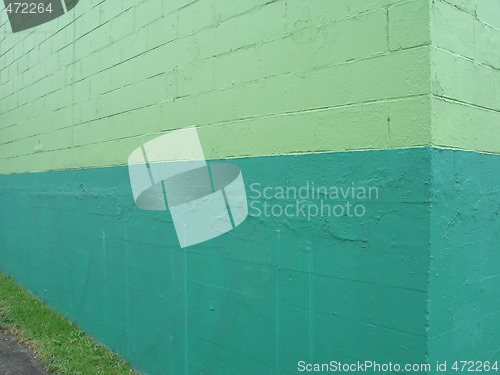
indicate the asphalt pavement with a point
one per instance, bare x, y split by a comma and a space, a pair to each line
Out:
16, 359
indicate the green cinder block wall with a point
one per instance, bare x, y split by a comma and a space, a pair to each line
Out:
400, 96
464, 243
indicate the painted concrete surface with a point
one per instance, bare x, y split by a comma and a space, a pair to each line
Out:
465, 75
257, 77
274, 291
16, 359
278, 87
413, 280
329, 76
464, 268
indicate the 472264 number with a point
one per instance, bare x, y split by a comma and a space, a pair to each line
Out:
29, 8
475, 366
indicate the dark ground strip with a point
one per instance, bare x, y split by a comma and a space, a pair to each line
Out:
16, 359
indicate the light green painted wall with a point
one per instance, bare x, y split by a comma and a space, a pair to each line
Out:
465, 62
86, 89
259, 78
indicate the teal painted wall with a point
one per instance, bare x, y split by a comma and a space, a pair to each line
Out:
464, 278
257, 300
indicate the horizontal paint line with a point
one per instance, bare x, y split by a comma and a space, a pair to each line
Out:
271, 156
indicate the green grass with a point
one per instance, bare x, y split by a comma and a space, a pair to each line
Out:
59, 344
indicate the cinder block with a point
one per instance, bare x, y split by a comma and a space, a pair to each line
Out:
488, 11
338, 85
257, 26
446, 69
486, 44
146, 13
121, 25
452, 29
409, 24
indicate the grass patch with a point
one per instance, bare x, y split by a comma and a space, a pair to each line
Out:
59, 344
